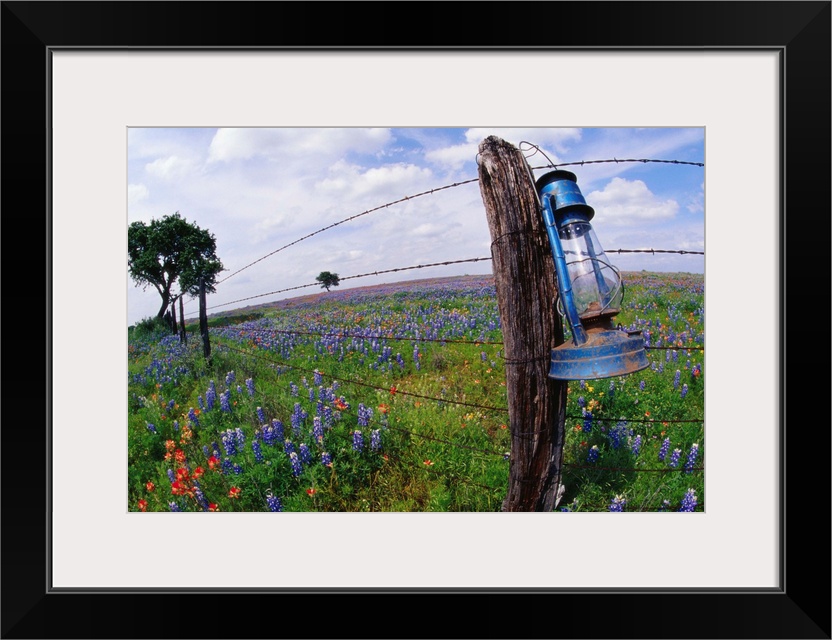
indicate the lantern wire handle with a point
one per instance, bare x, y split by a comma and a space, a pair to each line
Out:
620, 282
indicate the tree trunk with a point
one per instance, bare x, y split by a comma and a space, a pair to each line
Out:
524, 274
183, 334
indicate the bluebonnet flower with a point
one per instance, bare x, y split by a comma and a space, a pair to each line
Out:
311, 394
225, 401
274, 502
171, 476
174, 507
364, 415
641, 385
581, 402
317, 378
375, 440
206, 451
229, 378
297, 467
689, 501
317, 429
694, 451
357, 440
258, 452
288, 447
665, 448
612, 388
293, 388
665, 505
327, 417
239, 389
200, 497
617, 503
593, 453
583, 384
211, 396
676, 378
587, 421
227, 467
240, 436
615, 433
250, 386
192, 417
635, 445
200, 402
261, 416
305, 455
237, 469
229, 442
277, 427
326, 459
684, 390
674, 457
171, 405
151, 427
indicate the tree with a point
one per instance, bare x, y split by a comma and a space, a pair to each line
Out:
171, 249
328, 279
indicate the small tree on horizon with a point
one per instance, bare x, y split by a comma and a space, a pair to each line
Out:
328, 279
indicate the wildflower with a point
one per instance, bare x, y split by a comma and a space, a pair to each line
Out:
170, 445
393, 390
213, 506
317, 378
684, 390
357, 440
178, 488
694, 451
674, 458
587, 421
151, 427
664, 449
192, 416
142, 505
635, 445
581, 402
250, 387
261, 416
326, 459
273, 502
665, 505
297, 467
258, 452
311, 491
317, 429
198, 472
592, 456
305, 455
229, 378
234, 492
428, 463
182, 474
364, 415
689, 501
617, 503
174, 507
375, 440
676, 378
641, 385
213, 462
171, 476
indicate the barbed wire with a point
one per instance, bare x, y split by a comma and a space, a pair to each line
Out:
421, 266
442, 188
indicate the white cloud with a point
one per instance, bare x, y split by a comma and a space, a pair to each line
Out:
136, 193
623, 201
170, 168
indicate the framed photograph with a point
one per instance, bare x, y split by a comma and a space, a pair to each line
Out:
755, 76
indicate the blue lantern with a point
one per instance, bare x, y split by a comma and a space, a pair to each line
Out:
590, 289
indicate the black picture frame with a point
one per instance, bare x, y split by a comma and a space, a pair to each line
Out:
800, 608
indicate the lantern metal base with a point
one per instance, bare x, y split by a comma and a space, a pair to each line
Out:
604, 355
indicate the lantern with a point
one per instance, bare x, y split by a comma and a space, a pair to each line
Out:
590, 289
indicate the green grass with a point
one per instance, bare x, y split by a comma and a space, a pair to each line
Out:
439, 414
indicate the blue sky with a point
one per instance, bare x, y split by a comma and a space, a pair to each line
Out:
258, 189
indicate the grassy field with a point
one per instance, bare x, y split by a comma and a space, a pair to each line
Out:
393, 398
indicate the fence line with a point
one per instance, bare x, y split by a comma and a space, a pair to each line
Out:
442, 188
423, 266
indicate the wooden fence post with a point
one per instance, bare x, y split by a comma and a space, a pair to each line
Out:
203, 322
183, 335
524, 275
173, 323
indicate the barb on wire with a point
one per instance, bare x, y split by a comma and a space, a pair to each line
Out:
353, 217
361, 275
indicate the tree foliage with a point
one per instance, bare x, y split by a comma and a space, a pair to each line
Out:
168, 250
328, 279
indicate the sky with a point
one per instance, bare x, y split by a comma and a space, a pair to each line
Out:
259, 189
